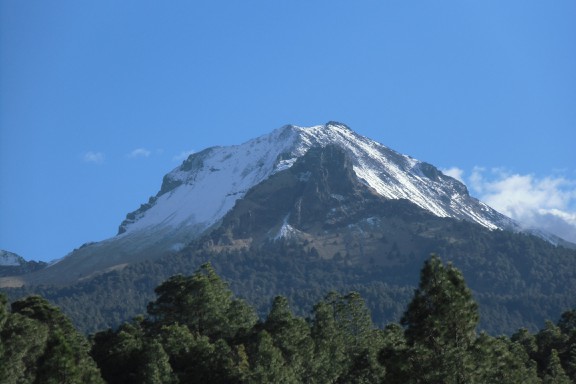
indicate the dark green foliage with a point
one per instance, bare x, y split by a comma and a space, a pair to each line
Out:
291, 335
567, 323
268, 363
38, 344
498, 360
554, 373
156, 367
346, 339
552, 349
202, 302
23, 341
119, 354
393, 354
189, 336
185, 339
197, 331
440, 323
329, 347
442, 313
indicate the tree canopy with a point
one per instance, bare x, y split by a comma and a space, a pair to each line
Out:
198, 331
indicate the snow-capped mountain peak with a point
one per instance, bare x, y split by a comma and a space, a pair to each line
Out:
197, 196
206, 186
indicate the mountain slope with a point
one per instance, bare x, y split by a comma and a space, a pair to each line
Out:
320, 204
368, 244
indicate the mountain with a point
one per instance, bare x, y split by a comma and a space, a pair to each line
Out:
304, 211
195, 197
13, 264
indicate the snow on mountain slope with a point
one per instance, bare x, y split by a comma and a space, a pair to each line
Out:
208, 183
10, 259
398, 176
206, 186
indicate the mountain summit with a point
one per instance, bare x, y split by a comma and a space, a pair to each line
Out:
197, 197
206, 186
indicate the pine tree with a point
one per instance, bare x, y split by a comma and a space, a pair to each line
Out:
3, 319
440, 324
393, 354
177, 341
567, 323
346, 343
354, 321
24, 343
570, 361
268, 363
500, 360
291, 335
65, 356
329, 346
119, 353
204, 303
3, 309
550, 339
156, 367
554, 373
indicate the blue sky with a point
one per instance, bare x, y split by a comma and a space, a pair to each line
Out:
98, 100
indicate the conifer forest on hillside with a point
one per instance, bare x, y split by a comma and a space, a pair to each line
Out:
196, 330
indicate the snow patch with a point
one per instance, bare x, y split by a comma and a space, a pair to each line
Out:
285, 164
337, 197
372, 221
9, 259
286, 231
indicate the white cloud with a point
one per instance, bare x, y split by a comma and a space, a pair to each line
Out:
139, 152
183, 155
547, 203
454, 172
93, 157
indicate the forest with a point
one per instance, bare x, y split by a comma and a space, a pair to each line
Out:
196, 330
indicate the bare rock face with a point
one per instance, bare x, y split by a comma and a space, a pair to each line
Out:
301, 197
321, 205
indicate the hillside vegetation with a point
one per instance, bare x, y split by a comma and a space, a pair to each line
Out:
196, 330
518, 280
